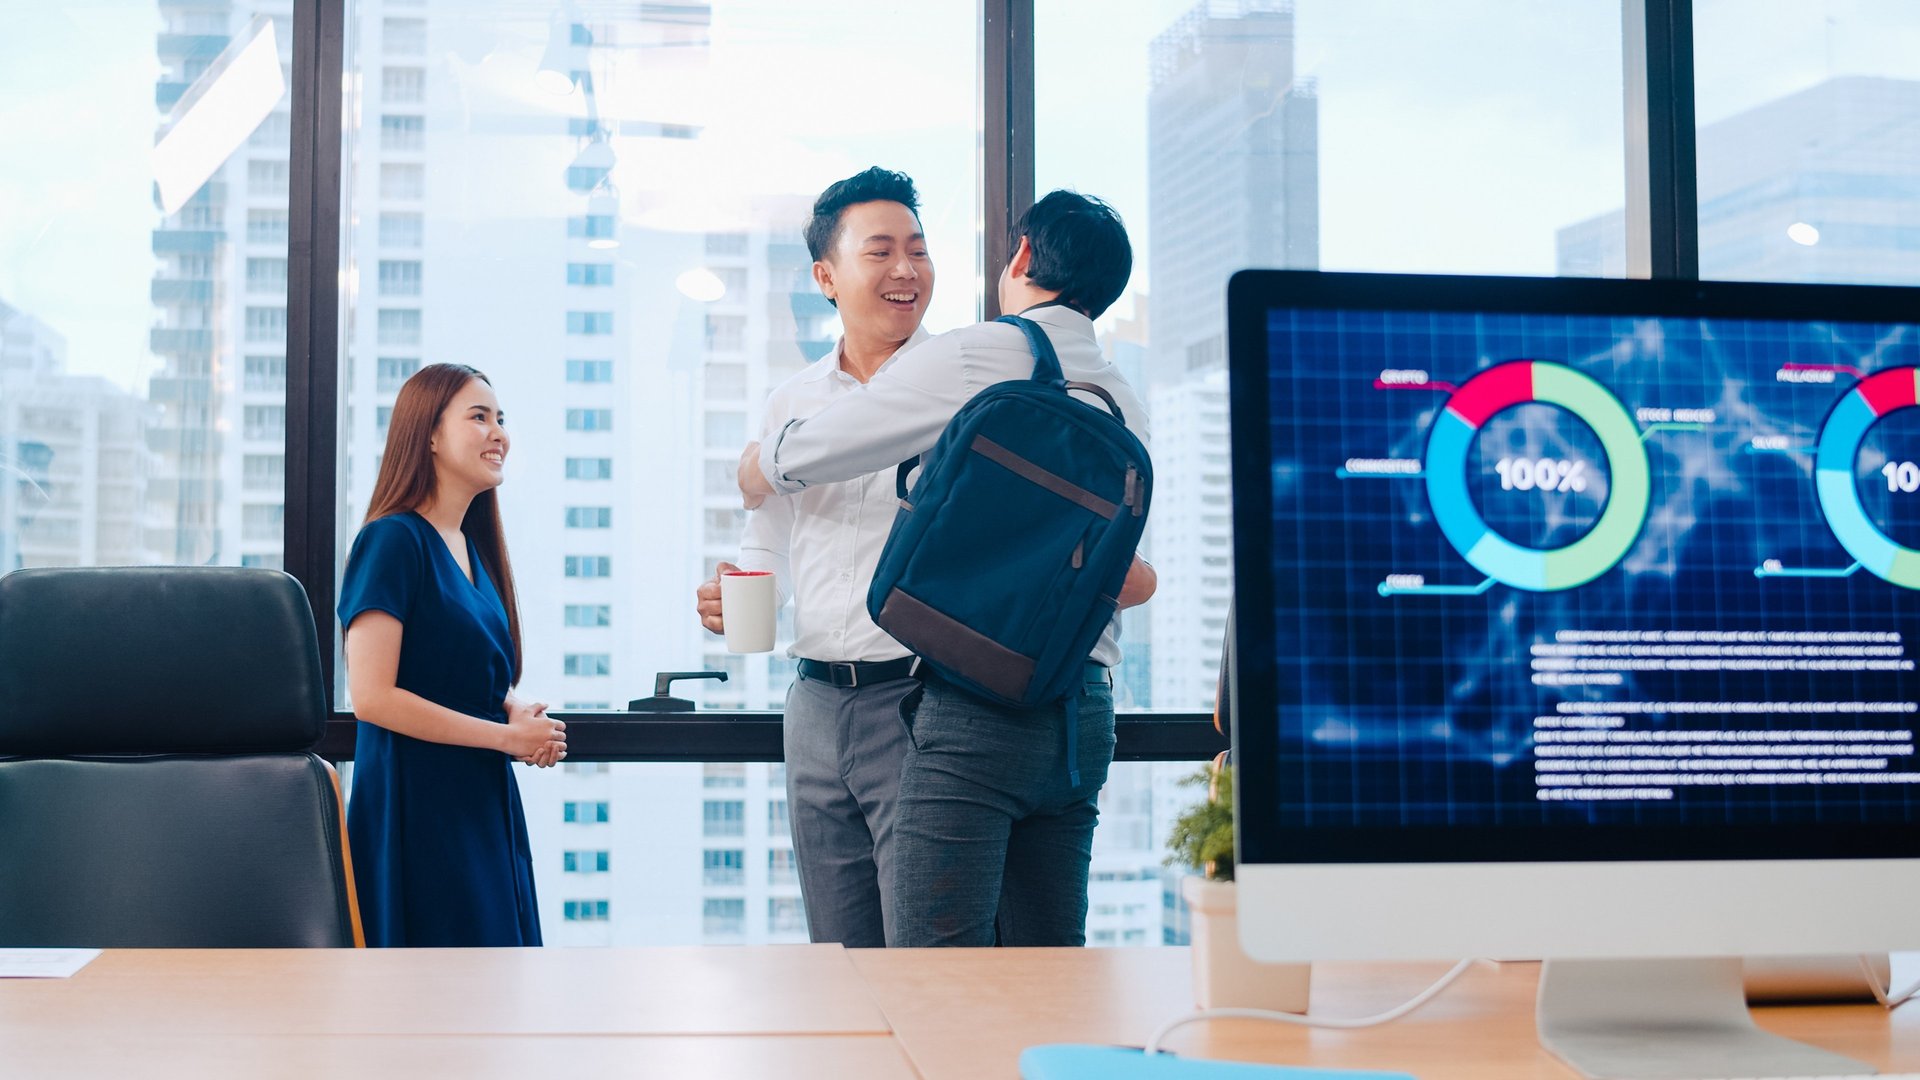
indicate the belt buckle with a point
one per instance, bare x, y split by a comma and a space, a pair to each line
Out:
853, 673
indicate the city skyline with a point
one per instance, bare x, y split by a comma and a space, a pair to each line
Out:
625, 260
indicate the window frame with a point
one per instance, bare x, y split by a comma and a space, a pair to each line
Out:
1662, 221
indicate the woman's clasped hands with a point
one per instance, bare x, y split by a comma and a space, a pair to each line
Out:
533, 737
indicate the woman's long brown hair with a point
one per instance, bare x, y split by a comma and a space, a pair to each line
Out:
407, 481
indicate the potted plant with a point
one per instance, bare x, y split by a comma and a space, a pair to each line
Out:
1224, 976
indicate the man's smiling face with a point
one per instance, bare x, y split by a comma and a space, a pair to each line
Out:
878, 271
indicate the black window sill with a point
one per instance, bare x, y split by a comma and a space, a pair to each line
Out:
718, 735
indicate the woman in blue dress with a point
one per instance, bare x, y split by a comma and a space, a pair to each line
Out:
433, 650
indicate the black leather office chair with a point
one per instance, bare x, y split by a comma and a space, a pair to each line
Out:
156, 787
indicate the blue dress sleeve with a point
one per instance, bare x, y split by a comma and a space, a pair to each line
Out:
385, 571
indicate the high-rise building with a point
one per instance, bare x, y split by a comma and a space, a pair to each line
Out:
74, 465
1233, 159
1816, 186
1192, 539
1233, 170
1233, 182
219, 290
29, 346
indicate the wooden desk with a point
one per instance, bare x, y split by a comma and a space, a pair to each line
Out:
786, 1011
969, 1013
108, 1055
782, 990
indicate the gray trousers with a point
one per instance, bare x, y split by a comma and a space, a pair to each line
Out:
844, 748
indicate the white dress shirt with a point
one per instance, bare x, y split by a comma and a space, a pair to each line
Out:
902, 411
823, 544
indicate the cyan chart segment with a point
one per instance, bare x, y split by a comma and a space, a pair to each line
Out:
1520, 382
1870, 399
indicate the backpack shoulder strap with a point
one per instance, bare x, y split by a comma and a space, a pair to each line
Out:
1046, 364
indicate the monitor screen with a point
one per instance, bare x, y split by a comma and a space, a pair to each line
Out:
1558, 570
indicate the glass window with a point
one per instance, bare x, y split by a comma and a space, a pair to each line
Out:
723, 817
589, 322
400, 229
399, 326
263, 472
587, 910
723, 916
260, 521
267, 325
726, 381
264, 227
1335, 134
591, 226
782, 869
1806, 172
591, 420
267, 275
393, 371
274, 131
589, 468
589, 371
403, 133
403, 181
726, 333
589, 566
404, 37
399, 277
785, 915
265, 373
724, 525
268, 178
589, 615
728, 867
264, 422
585, 862
589, 517
723, 774
777, 817
557, 289
589, 273
403, 85
585, 813
726, 430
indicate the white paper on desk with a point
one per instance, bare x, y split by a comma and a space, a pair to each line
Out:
43, 963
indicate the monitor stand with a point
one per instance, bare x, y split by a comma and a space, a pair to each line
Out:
1666, 1020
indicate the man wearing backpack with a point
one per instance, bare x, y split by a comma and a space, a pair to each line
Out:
843, 736
992, 838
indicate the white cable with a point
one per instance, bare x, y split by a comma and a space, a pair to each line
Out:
1395, 1013
1880, 995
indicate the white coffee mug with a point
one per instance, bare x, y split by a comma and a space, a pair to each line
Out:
746, 607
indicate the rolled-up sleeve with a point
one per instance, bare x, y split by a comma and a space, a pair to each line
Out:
895, 416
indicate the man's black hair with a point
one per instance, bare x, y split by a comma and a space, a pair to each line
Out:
1080, 250
872, 185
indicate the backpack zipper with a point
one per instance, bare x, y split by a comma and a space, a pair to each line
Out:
1132, 496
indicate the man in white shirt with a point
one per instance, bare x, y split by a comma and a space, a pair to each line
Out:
843, 733
991, 839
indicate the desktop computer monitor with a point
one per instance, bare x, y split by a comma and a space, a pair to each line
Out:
1572, 622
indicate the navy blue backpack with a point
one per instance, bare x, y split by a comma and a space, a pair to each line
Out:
1005, 562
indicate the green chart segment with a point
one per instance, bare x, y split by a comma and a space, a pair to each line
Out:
1522, 382
1871, 399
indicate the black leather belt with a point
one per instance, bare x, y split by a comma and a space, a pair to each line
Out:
851, 673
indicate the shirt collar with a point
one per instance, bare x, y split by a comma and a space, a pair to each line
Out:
1057, 313
830, 363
